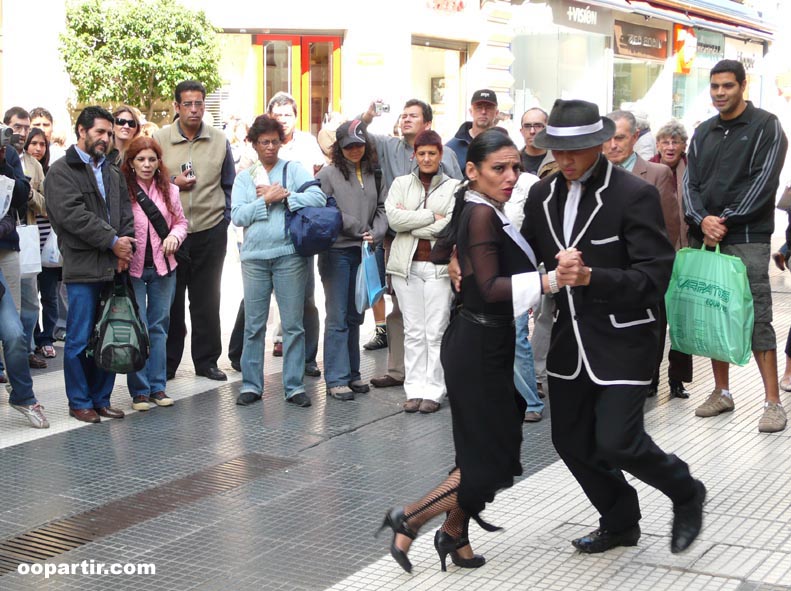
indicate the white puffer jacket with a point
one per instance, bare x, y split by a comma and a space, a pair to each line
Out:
416, 220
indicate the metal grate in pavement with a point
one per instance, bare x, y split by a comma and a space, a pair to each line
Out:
67, 534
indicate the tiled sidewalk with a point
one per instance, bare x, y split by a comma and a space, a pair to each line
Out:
315, 484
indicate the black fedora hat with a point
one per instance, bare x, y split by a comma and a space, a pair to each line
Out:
574, 125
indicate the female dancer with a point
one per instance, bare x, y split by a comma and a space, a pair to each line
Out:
498, 280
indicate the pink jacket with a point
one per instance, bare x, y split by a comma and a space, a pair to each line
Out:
177, 224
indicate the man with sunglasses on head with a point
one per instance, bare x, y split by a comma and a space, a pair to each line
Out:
200, 158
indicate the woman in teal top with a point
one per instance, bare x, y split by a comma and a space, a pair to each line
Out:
269, 261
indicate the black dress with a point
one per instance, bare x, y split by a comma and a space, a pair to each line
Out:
478, 359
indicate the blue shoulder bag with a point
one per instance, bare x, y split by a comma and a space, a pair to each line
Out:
312, 229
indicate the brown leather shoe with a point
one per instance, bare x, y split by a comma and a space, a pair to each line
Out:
110, 413
428, 406
86, 415
386, 381
412, 405
36, 362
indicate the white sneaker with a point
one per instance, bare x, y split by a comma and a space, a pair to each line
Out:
33, 414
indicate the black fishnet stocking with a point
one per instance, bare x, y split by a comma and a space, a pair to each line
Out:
456, 524
442, 499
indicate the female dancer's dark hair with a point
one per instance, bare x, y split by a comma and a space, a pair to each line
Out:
480, 147
369, 163
34, 133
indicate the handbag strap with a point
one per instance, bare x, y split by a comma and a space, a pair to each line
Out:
153, 214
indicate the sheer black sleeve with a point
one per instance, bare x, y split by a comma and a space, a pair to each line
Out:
482, 254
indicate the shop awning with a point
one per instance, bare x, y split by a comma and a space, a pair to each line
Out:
741, 22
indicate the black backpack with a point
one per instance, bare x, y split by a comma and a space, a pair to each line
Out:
119, 342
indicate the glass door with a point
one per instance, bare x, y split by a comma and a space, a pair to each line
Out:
308, 68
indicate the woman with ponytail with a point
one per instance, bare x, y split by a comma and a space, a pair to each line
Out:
499, 281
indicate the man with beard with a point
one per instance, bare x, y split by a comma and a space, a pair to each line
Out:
88, 204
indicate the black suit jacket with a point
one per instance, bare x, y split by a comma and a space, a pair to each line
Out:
609, 328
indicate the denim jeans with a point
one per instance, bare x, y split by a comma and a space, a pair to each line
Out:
524, 370
286, 276
15, 350
29, 309
48, 288
310, 320
154, 295
338, 271
87, 386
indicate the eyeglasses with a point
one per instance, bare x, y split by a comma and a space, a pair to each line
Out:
267, 143
190, 104
130, 122
18, 127
668, 143
533, 126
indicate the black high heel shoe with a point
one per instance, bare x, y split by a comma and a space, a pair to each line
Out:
396, 520
446, 544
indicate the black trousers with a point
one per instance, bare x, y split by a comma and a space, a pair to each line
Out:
679, 365
199, 272
598, 431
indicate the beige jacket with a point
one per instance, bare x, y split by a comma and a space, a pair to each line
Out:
416, 220
35, 205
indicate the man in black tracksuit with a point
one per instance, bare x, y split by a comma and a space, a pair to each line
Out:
733, 172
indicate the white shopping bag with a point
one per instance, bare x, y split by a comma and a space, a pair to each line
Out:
29, 251
50, 253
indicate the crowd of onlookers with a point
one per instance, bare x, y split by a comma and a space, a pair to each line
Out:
128, 197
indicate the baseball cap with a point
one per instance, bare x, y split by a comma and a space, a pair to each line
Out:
350, 133
484, 96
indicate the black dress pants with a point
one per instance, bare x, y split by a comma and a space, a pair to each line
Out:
199, 272
679, 365
598, 431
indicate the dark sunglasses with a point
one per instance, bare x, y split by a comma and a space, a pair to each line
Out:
130, 122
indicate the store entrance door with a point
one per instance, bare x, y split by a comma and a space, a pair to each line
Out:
306, 67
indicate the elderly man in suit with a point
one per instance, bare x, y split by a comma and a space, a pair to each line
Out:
606, 334
620, 150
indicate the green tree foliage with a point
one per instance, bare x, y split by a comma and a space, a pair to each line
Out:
136, 52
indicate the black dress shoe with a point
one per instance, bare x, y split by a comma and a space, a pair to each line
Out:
312, 371
247, 398
300, 399
213, 373
688, 520
677, 389
600, 540
171, 374
236, 364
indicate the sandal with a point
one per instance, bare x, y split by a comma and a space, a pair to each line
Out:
49, 351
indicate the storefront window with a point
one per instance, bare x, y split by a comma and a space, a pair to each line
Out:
437, 78
558, 64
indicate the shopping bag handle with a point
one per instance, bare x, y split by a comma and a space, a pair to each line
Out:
706, 248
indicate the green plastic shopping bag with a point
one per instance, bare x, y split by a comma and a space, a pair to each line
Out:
709, 306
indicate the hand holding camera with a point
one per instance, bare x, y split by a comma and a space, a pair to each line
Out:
186, 180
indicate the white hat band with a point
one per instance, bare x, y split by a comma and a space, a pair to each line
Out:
572, 131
